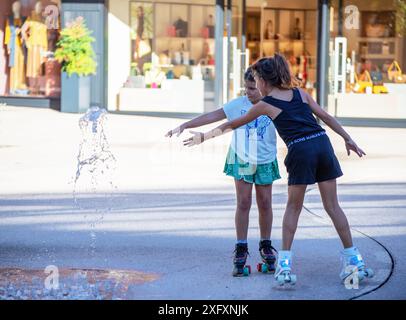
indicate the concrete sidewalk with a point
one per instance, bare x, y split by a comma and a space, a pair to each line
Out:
172, 216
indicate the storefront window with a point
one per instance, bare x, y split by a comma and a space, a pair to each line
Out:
292, 33
287, 27
31, 31
172, 41
368, 59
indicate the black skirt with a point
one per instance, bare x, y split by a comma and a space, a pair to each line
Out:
311, 161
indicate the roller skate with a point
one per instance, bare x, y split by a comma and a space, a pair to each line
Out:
354, 269
268, 255
283, 270
240, 257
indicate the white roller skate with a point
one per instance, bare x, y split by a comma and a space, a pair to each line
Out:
354, 269
283, 270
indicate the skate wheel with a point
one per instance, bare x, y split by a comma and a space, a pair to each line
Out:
259, 267
247, 271
286, 279
264, 268
238, 272
280, 279
369, 273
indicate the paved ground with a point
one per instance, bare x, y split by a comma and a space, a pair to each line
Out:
168, 229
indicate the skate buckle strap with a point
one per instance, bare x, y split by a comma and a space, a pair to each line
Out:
355, 260
285, 263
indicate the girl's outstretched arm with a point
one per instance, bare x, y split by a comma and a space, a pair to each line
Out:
199, 121
333, 124
261, 108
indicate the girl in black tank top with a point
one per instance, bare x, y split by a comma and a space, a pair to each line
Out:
310, 159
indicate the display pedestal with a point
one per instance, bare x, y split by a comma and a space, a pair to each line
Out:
372, 106
181, 96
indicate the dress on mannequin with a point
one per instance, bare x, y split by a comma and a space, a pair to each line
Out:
34, 33
17, 53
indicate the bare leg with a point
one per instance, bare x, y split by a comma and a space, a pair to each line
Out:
244, 200
290, 219
264, 202
328, 192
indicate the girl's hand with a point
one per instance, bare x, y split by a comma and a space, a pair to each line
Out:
351, 145
177, 130
198, 138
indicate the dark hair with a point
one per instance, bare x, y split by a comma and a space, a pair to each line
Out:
249, 75
275, 71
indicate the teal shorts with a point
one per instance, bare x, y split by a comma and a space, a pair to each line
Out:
261, 174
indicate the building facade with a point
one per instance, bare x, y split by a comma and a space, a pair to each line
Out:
188, 57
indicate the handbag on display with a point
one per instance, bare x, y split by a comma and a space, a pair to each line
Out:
171, 31
363, 84
205, 32
181, 27
395, 73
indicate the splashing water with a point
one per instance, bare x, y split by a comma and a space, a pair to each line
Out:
93, 182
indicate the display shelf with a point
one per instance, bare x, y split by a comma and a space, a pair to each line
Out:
285, 40
374, 47
183, 38
376, 39
378, 56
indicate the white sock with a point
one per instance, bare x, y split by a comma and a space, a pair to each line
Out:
351, 251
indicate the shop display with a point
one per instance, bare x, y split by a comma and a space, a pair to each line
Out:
269, 31
32, 69
284, 31
154, 78
377, 42
34, 33
395, 73
135, 82
175, 46
210, 26
142, 33
365, 84
181, 56
378, 24
297, 31
16, 50
181, 28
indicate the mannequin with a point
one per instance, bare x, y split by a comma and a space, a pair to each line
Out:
34, 32
15, 48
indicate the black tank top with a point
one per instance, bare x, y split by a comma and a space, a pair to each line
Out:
296, 119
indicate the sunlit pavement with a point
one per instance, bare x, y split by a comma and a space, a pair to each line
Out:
167, 232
